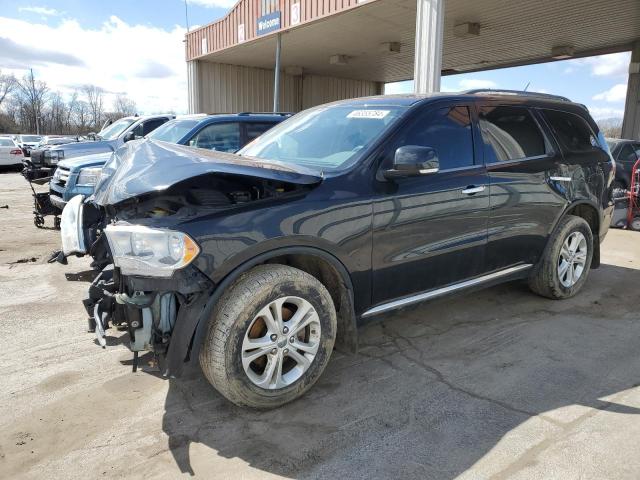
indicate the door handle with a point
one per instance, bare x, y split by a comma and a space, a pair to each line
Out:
472, 190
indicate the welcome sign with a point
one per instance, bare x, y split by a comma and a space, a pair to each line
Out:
268, 23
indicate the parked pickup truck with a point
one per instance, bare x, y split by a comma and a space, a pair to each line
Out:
108, 140
258, 263
224, 133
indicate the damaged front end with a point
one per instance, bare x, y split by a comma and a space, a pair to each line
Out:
136, 231
147, 308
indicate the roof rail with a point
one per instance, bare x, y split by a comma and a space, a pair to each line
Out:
283, 114
488, 91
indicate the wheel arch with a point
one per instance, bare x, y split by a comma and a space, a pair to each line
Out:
589, 212
328, 269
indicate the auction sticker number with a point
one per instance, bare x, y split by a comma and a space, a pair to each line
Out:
375, 114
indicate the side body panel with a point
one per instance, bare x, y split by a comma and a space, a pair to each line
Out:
334, 217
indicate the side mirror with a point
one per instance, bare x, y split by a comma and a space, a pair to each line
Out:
129, 136
413, 161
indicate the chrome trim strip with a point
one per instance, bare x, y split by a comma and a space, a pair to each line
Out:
560, 179
403, 302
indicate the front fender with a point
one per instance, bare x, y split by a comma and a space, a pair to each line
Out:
192, 323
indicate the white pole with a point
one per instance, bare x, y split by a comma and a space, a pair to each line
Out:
428, 48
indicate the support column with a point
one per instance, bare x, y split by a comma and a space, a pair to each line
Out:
428, 49
276, 77
631, 123
193, 86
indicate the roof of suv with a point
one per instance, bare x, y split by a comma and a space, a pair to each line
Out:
412, 99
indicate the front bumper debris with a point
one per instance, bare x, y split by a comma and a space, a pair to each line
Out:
152, 310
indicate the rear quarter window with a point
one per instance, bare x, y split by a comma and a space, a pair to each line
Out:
572, 131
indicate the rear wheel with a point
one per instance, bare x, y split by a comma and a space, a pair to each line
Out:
270, 337
566, 262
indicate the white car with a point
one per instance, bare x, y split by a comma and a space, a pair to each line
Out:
10, 153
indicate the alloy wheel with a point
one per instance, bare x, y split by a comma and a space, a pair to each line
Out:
573, 259
281, 343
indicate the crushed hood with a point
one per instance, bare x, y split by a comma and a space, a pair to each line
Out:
148, 166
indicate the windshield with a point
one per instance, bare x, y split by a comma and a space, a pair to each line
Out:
29, 138
326, 138
114, 130
173, 131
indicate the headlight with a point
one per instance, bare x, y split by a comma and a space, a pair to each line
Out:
54, 156
89, 176
71, 227
150, 252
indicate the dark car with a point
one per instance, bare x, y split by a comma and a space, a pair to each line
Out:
259, 262
626, 153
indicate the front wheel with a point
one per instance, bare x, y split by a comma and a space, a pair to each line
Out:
565, 264
270, 337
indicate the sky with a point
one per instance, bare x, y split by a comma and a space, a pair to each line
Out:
136, 47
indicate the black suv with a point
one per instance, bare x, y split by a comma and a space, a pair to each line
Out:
259, 262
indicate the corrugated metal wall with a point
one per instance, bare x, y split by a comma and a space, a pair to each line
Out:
317, 90
216, 87
232, 88
193, 86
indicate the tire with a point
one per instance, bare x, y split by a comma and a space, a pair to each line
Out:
635, 224
235, 321
545, 279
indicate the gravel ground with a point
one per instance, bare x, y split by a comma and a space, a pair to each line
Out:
494, 384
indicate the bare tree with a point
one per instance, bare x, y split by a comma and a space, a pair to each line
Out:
95, 98
123, 106
8, 84
81, 116
31, 95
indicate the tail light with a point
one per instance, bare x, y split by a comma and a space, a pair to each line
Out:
15, 151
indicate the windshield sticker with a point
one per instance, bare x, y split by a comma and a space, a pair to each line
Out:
375, 114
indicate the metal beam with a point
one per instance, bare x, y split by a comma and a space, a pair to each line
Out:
276, 77
631, 122
428, 47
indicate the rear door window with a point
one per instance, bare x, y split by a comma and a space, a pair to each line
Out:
222, 137
151, 125
572, 131
255, 129
510, 133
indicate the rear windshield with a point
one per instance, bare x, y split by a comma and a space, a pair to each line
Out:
6, 142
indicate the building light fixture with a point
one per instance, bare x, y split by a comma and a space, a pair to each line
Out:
338, 60
562, 52
468, 29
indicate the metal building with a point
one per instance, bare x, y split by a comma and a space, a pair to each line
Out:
334, 49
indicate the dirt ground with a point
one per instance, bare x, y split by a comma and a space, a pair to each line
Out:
495, 384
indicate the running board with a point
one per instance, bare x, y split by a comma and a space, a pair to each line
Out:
421, 297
